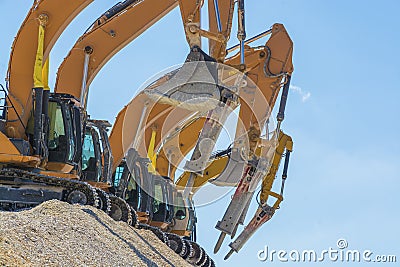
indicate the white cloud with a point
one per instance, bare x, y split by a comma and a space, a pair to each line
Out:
304, 94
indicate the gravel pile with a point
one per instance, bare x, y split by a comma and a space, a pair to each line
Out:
59, 234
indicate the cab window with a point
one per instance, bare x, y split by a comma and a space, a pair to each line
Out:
87, 151
56, 131
179, 208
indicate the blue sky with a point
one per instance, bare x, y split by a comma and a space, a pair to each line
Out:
344, 172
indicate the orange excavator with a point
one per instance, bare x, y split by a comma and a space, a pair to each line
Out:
45, 157
43, 133
269, 68
56, 152
176, 130
39, 139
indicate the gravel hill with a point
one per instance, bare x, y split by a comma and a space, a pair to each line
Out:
59, 234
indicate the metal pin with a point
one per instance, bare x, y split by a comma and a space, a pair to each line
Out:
219, 242
229, 254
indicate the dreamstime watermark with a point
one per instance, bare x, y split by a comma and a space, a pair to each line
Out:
339, 253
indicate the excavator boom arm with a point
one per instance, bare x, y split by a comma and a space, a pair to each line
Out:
104, 41
22, 58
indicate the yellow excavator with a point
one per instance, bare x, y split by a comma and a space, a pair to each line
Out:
54, 158
43, 133
94, 48
270, 69
55, 165
92, 60
155, 212
40, 143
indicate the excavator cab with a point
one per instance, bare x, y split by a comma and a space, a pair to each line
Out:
163, 210
60, 143
62, 139
149, 194
127, 188
96, 153
184, 217
91, 156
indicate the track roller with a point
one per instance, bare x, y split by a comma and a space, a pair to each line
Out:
120, 210
135, 220
176, 244
81, 193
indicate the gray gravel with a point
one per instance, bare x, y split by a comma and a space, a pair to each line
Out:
59, 234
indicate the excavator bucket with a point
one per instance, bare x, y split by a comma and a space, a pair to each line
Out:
233, 171
193, 86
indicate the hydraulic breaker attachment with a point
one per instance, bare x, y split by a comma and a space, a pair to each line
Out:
242, 217
229, 222
263, 214
193, 86
238, 207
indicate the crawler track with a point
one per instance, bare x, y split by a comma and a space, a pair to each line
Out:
79, 192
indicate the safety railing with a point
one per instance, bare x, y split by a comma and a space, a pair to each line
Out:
3, 103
